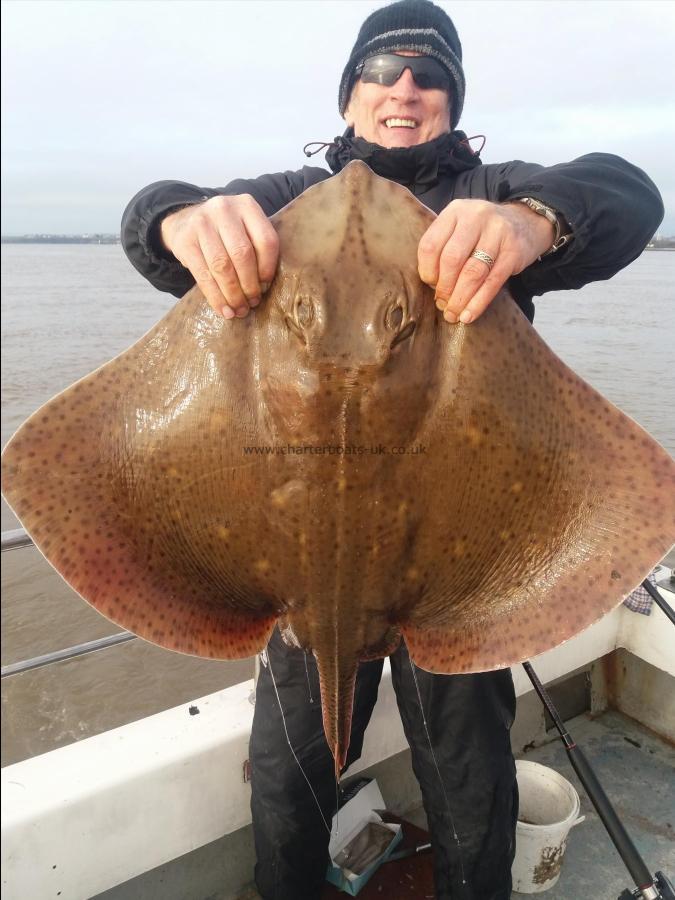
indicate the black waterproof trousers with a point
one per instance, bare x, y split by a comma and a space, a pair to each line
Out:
468, 716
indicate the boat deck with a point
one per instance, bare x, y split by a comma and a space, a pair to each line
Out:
637, 770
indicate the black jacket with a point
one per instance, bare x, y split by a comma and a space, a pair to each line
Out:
613, 208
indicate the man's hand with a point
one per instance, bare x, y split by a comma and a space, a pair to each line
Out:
230, 247
511, 233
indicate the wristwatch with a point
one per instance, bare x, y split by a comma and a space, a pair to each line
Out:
563, 233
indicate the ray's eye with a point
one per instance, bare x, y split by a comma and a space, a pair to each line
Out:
303, 309
404, 334
394, 317
301, 317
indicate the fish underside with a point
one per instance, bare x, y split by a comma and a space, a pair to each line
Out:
344, 462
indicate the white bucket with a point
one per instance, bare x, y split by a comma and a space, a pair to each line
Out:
549, 807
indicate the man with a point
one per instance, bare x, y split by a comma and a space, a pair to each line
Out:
401, 95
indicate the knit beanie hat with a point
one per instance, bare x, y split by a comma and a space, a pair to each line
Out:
417, 25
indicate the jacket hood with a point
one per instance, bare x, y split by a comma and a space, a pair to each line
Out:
417, 168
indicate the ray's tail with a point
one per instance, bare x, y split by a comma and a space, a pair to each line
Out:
338, 679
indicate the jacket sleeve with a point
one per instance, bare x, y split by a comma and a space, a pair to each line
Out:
142, 218
612, 207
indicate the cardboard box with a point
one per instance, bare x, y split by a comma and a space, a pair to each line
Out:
353, 818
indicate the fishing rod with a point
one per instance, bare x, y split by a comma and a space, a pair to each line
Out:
648, 886
663, 604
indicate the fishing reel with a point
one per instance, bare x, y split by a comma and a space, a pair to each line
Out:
662, 889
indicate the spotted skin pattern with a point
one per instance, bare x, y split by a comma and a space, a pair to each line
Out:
524, 507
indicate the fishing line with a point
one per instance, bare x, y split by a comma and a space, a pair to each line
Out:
438, 772
309, 686
283, 719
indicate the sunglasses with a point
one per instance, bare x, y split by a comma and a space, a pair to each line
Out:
387, 68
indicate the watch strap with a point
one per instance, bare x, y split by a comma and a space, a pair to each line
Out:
562, 233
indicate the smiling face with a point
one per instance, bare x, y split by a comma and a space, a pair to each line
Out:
402, 115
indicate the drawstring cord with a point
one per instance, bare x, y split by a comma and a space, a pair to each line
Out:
466, 142
320, 145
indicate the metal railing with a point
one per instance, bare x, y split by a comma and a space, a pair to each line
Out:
15, 540
37, 662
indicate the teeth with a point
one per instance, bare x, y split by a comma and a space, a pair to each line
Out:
400, 123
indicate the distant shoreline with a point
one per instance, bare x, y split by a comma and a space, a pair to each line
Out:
60, 239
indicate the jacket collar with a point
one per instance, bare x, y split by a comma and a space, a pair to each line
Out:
417, 168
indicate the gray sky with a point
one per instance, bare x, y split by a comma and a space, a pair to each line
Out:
101, 97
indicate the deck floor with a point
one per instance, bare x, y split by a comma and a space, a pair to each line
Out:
637, 771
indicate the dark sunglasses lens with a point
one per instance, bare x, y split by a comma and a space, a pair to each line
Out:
428, 73
382, 70
424, 80
387, 68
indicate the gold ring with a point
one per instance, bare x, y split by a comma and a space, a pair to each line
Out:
483, 257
